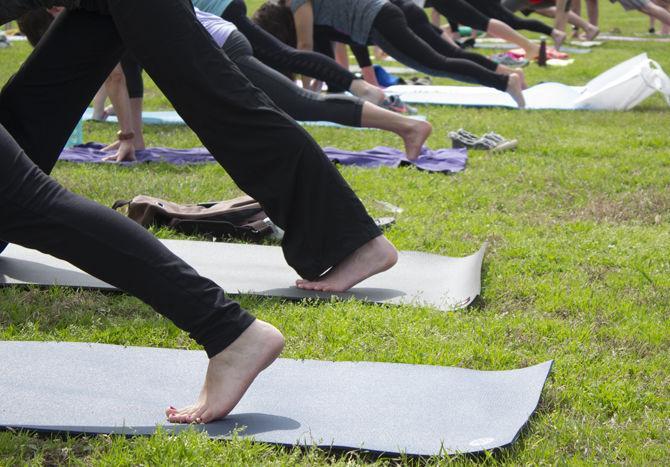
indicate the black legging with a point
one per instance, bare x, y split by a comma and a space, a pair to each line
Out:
419, 23
299, 103
280, 56
393, 34
266, 153
494, 9
460, 12
132, 70
36, 212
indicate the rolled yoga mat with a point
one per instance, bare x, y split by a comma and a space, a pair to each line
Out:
419, 279
379, 407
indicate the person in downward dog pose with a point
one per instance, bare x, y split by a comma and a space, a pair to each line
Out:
301, 104
382, 23
276, 54
330, 240
551, 9
463, 12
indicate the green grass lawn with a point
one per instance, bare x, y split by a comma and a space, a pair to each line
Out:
578, 271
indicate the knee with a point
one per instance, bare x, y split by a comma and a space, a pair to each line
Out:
116, 77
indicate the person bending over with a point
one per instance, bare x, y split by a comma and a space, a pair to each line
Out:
276, 54
300, 104
462, 12
551, 9
34, 25
404, 33
655, 10
330, 240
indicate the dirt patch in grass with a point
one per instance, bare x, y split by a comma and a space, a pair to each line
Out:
644, 206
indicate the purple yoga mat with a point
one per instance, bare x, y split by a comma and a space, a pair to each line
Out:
439, 160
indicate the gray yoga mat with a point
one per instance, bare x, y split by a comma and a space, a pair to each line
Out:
379, 407
418, 279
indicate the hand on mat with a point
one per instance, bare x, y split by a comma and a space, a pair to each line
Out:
125, 152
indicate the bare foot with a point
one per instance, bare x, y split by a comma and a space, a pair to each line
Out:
230, 373
416, 133
505, 70
592, 32
514, 89
375, 256
558, 36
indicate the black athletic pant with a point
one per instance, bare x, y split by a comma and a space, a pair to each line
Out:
299, 103
494, 9
274, 53
132, 70
36, 212
393, 34
460, 12
419, 23
267, 154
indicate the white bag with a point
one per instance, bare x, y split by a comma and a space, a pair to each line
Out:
625, 86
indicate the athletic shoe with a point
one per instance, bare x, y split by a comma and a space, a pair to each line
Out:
384, 78
395, 104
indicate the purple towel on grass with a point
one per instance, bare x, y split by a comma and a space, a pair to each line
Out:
440, 160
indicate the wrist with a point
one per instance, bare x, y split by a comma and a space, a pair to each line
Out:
125, 136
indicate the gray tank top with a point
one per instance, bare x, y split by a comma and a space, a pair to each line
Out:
351, 17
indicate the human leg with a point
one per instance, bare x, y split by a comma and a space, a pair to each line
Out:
271, 51
392, 33
657, 12
464, 13
38, 213
43, 102
299, 103
285, 170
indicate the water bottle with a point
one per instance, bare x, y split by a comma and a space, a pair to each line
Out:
542, 58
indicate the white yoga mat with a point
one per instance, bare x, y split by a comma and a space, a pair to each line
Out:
620, 88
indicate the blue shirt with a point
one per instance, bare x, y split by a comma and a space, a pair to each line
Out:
215, 7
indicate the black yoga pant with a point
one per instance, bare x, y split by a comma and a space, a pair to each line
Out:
419, 23
36, 212
494, 9
299, 103
133, 73
274, 53
392, 33
266, 153
461, 12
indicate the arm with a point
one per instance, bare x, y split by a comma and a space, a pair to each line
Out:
115, 85
304, 26
363, 58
